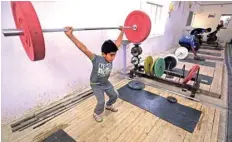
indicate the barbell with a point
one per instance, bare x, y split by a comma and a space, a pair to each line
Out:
137, 27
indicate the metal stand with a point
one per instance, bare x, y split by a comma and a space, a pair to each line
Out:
125, 44
135, 84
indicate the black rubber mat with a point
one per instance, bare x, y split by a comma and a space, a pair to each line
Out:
59, 136
174, 113
203, 63
211, 48
203, 78
228, 59
209, 53
213, 58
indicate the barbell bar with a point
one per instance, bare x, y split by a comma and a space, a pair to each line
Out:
137, 27
18, 32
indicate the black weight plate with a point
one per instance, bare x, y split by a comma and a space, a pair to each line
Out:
135, 60
172, 99
140, 50
135, 51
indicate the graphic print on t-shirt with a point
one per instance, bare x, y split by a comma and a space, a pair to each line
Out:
104, 69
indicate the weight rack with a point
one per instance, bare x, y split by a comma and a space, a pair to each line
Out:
138, 70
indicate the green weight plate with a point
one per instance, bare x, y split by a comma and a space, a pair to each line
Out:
159, 67
152, 66
147, 64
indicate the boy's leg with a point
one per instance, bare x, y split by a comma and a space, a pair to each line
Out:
113, 96
99, 109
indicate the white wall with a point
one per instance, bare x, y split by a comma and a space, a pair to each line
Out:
28, 85
202, 20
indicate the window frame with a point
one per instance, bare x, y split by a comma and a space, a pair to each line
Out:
157, 17
225, 26
190, 20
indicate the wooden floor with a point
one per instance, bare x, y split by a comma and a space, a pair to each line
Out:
130, 123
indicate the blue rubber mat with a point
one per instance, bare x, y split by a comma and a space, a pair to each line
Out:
211, 48
59, 136
174, 113
228, 59
203, 63
209, 53
214, 58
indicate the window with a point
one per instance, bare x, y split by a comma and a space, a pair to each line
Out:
190, 18
155, 13
226, 19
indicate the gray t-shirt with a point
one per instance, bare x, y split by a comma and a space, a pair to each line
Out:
101, 71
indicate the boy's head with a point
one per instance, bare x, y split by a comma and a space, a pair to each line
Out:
208, 30
109, 50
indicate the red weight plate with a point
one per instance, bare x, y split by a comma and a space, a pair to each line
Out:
143, 23
192, 73
26, 19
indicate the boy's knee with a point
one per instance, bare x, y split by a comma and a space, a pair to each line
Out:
114, 93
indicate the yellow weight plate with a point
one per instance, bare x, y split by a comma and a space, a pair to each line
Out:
147, 64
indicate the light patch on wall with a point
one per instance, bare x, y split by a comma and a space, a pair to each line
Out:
211, 15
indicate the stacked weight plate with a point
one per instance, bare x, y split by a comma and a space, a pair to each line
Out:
154, 66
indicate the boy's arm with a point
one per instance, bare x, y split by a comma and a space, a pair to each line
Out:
80, 45
194, 52
118, 42
192, 46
